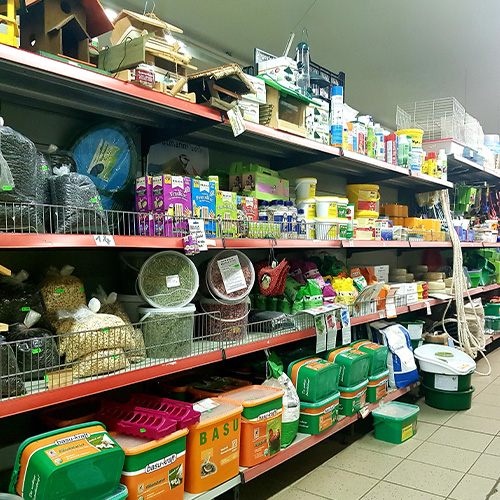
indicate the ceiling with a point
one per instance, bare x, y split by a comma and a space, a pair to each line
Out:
392, 51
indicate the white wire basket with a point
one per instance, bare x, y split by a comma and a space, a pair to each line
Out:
439, 118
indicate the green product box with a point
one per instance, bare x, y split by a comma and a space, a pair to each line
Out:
257, 181
226, 209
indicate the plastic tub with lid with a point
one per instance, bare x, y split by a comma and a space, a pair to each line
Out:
131, 304
260, 422
352, 399
213, 445
377, 353
395, 422
437, 358
225, 321
318, 417
168, 333
448, 400
354, 365
309, 207
377, 386
314, 378
305, 188
365, 198
154, 468
168, 280
82, 461
229, 277
327, 207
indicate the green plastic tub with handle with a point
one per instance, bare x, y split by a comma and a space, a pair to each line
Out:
318, 417
352, 399
491, 309
377, 386
447, 383
443, 400
377, 353
78, 462
354, 365
395, 422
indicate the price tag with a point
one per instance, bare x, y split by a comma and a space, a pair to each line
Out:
197, 229
390, 310
104, 240
364, 412
321, 333
345, 323
236, 121
428, 307
331, 330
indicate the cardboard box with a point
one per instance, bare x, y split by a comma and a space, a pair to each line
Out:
203, 198
281, 69
227, 210
259, 86
381, 273
249, 110
249, 205
157, 188
178, 204
143, 194
259, 182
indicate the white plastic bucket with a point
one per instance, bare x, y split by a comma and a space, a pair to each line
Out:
309, 207
305, 188
131, 304
326, 206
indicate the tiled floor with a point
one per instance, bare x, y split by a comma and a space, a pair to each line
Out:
455, 456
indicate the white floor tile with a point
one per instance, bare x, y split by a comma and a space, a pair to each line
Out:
476, 424
391, 491
472, 487
461, 438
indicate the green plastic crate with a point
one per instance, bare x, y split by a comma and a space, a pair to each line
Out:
395, 422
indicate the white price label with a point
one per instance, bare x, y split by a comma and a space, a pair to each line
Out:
428, 307
232, 275
364, 412
390, 310
345, 323
321, 333
173, 281
104, 240
331, 329
446, 382
205, 405
236, 121
197, 229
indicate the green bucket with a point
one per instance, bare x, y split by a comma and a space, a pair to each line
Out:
395, 422
318, 417
443, 400
377, 387
352, 399
448, 383
492, 323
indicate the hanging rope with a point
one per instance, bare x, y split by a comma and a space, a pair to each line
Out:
469, 343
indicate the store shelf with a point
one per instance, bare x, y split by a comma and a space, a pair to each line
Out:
492, 338
461, 169
375, 244
214, 492
304, 442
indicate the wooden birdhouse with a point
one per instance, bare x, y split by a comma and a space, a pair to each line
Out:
63, 27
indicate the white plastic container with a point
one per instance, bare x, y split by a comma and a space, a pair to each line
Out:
309, 207
305, 188
326, 207
131, 304
168, 333
437, 358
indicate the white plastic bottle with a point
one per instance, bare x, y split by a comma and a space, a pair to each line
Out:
301, 224
380, 145
403, 151
442, 163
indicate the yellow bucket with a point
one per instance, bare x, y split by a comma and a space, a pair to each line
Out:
416, 135
365, 198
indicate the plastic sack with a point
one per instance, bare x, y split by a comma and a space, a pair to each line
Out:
11, 382
62, 291
298, 305
99, 362
35, 348
111, 305
17, 298
400, 359
84, 331
329, 294
78, 204
296, 272
30, 183
310, 272
291, 401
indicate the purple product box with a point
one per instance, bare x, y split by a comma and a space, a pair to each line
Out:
143, 194
178, 204
157, 193
145, 225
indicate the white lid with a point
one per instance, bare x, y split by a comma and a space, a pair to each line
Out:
396, 410
326, 198
310, 201
189, 308
306, 179
442, 357
343, 199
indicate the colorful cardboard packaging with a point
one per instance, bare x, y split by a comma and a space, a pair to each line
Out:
143, 194
227, 211
203, 198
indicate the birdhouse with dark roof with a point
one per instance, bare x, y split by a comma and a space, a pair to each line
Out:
62, 27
